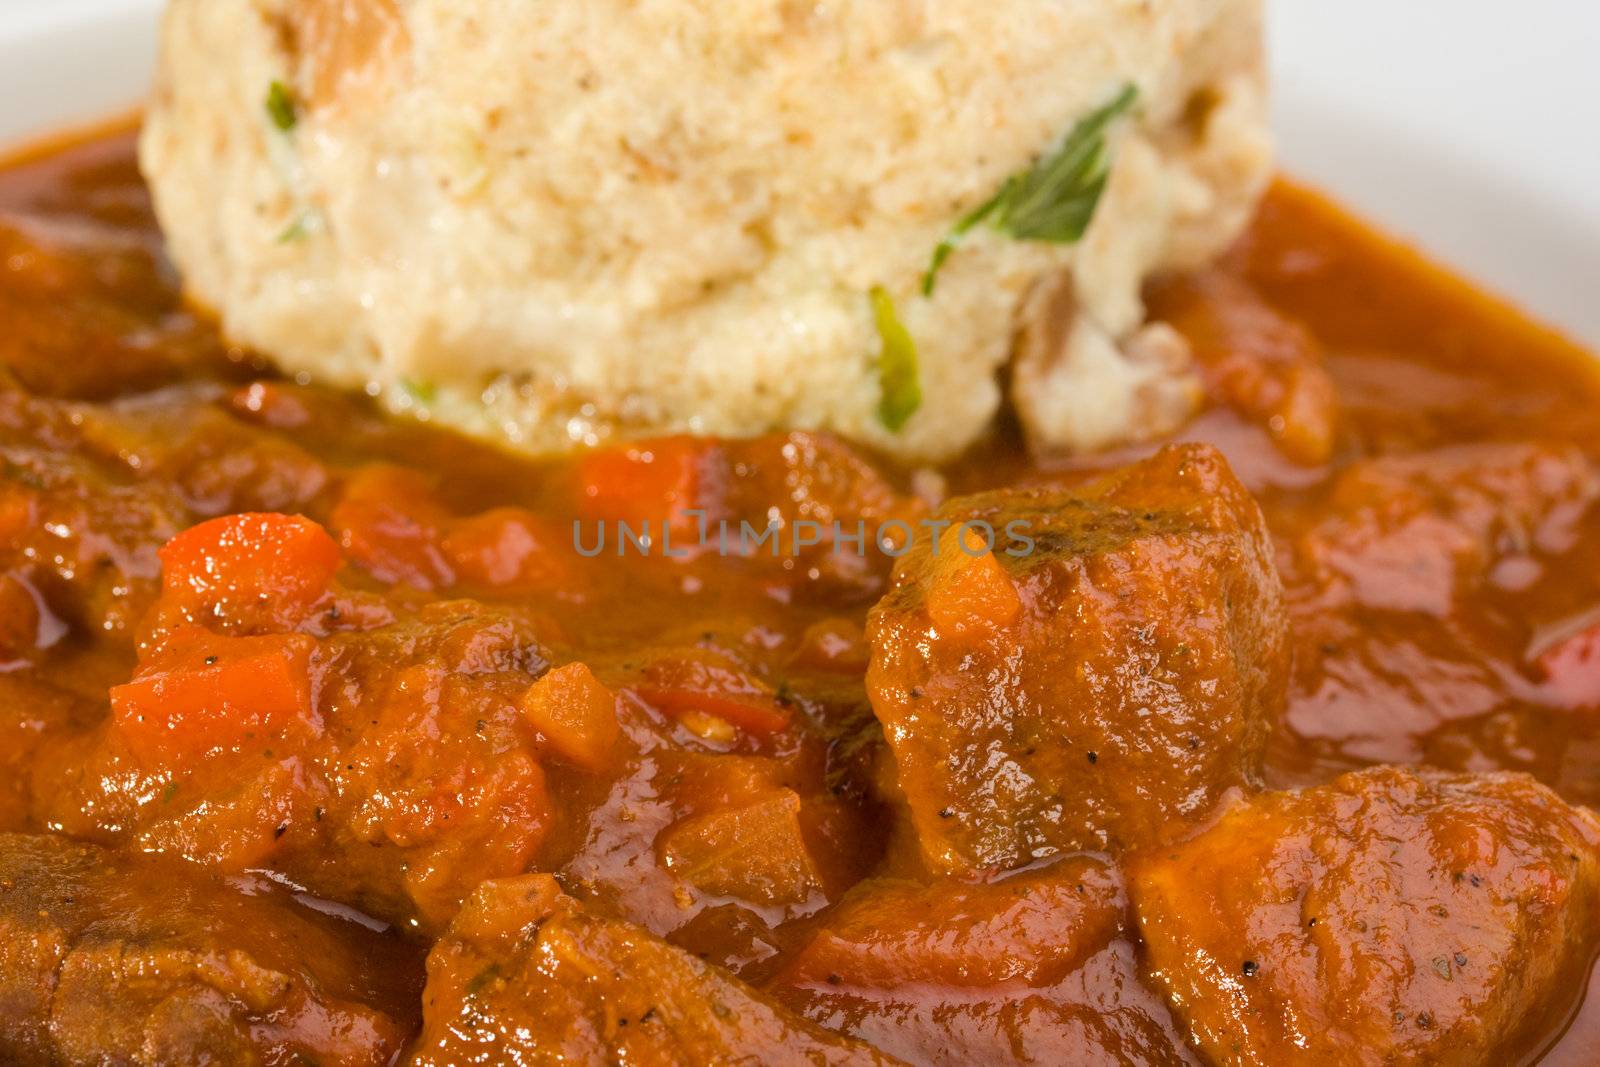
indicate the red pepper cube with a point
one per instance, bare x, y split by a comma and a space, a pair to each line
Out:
692, 683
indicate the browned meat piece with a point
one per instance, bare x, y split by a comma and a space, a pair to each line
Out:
87, 312
1038, 968
1097, 692
392, 751
1391, 917
413, 779
525, 976
1411, 533
1255, 360
137, 960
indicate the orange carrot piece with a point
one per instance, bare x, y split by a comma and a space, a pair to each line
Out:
646, 483
261, 570
575, 715
970, 590
204, 692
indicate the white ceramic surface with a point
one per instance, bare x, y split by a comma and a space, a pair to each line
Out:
1469, 126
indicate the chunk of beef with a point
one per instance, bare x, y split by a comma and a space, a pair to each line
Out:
1037, 968
1390, 917
138, 960
1255, 360
524, 975
1097, 692
1410, 533
390, 768
390, 750
1386, 652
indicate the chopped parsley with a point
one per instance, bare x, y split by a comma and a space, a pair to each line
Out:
296, 230
281, 108
897, 364
420, 391
1055, 199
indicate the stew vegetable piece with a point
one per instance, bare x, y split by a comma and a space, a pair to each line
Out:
331, 738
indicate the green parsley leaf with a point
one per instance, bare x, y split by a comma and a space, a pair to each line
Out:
480, 981
420, 391
281, 108
897, 364
296, 230
1055, 199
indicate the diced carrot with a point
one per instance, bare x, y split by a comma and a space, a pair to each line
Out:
390, 525
202, 692
692, 682
262, 571
499, 914
970, 590
575, 715
756, 852
1031, 930
506, 548
644, 484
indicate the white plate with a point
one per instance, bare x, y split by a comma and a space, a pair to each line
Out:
1469, 126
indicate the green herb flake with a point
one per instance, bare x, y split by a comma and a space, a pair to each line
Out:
1055, 199
482, 980
420, 391
297, 230
281, 108
897, 364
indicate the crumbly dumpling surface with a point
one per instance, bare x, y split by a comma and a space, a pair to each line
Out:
561, 222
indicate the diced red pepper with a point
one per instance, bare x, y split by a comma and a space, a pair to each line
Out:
506, 548
203, 692
575, 715
644, 485
692, 683
391, 525
256, 571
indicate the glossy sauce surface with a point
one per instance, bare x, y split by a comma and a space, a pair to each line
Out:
703, 761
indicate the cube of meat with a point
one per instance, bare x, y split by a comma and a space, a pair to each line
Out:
137, 960
524, 975
1410, 533
1097, 681
1391, 917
